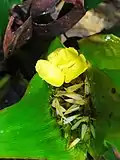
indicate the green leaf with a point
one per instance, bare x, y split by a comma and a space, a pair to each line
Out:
109, 155
56, 43
27, 129
114, 75
108, 108
4, 85
114, 30
102, 51
91, 4
5, 5
79, 154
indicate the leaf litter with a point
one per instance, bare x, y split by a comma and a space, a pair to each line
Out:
72, 107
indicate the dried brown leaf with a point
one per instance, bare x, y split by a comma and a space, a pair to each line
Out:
73, 144
70, 119
74, 88
73, 108
73, 101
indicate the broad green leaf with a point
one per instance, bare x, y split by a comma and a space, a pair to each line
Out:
5, 5
78, 153
92, 150
27, 129
103, 52
91, 4
114, 30
108, 108
56, 43
4, 85
114, 75
109, 155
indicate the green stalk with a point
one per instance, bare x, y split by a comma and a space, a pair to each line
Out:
4, 85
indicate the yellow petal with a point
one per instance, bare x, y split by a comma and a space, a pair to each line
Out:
50, 73
79, 66
62, 57
53, 57
72, 51
82, 58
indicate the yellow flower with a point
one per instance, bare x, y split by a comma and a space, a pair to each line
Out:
50, 73
63, 65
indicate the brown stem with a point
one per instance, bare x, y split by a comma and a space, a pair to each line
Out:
60, 25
